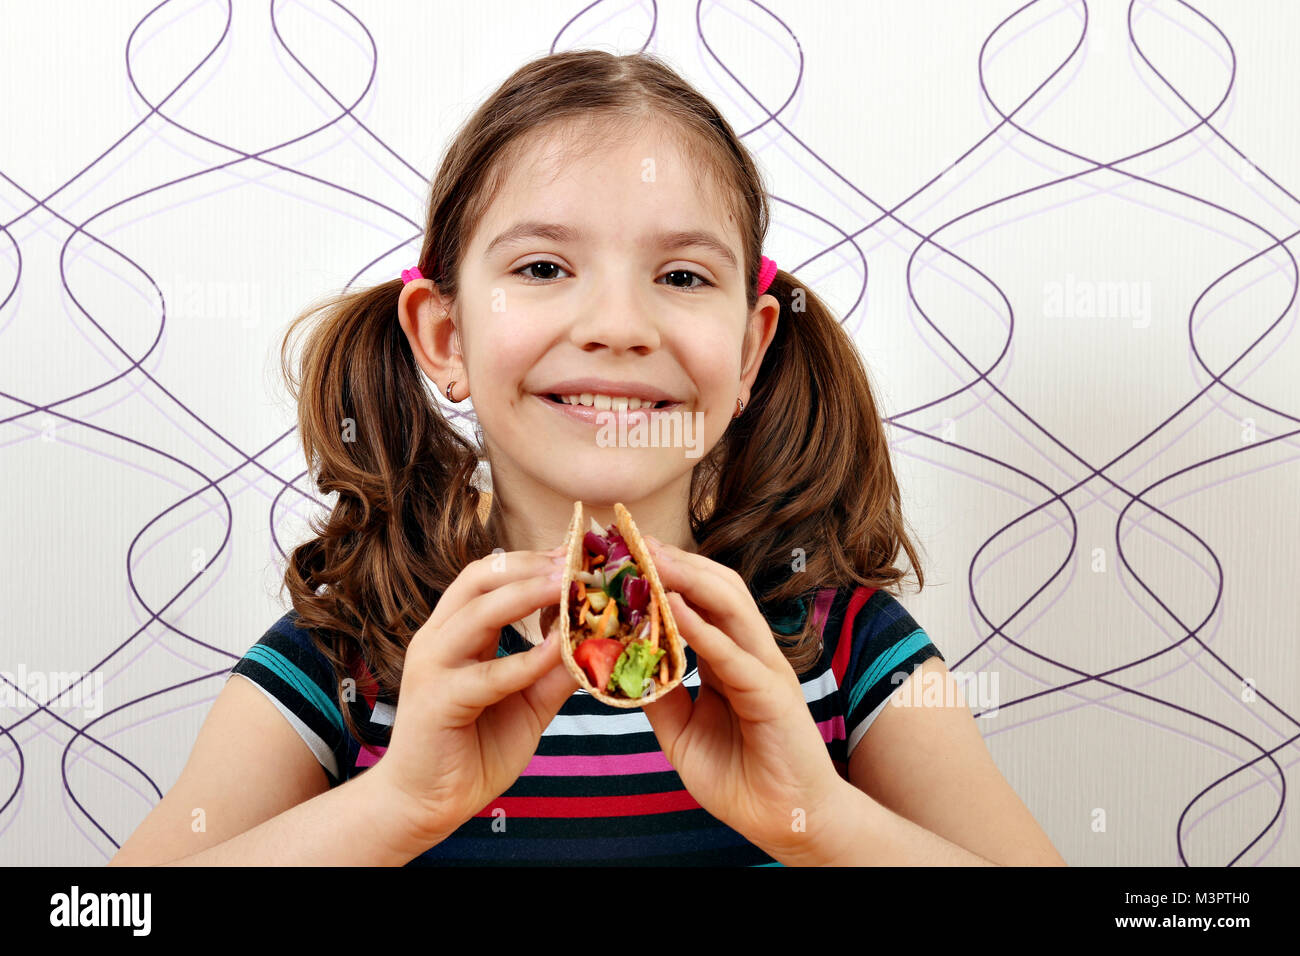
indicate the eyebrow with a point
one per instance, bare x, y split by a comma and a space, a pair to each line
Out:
558, 232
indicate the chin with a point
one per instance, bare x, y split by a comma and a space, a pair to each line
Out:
598, 477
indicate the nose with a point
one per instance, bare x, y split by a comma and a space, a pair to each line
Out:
619, 314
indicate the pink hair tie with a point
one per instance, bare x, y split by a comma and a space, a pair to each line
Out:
411, 273
766, 273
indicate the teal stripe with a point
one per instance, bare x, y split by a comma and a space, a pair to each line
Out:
769, 864
292, 675
792, 620
887, 662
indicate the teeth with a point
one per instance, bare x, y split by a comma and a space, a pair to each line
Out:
607, 401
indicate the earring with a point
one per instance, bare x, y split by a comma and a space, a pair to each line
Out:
740, 407
448, 393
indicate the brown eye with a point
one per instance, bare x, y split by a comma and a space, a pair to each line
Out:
532, 265
687, 272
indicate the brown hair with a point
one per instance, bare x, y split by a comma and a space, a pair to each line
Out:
802, 475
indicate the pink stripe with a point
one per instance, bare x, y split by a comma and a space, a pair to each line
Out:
821, 608
832, 729
606, 764
598, 766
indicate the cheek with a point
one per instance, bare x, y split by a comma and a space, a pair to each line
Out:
503, 355
712, 361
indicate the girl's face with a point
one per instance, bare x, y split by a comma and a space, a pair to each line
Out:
581, 269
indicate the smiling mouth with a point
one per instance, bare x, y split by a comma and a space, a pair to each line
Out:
560, 401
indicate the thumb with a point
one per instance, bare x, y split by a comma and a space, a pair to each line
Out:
669, 716
547, 694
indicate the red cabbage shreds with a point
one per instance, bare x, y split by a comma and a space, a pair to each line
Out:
617, 546
636, 594
595, 544
573, 593
611, 567
610, 544
634, 619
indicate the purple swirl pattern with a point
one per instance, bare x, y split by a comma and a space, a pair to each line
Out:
1151, 663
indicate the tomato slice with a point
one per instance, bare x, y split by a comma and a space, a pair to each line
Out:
597, 657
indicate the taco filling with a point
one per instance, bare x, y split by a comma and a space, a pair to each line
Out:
614, 619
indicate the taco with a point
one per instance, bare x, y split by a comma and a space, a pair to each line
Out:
617, 634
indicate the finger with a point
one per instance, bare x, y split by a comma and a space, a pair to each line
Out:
720, 597
733, 665
706, 673
547, 694
709, 682
488, 573
542, 699
485, 683
669, 716
739, 684
474, 633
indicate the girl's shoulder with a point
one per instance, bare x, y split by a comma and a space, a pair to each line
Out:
288, 667
870, 643
296, 677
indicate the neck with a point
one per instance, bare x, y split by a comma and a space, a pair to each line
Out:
542, 526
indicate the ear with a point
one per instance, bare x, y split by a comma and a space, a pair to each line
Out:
426, 319
759, 332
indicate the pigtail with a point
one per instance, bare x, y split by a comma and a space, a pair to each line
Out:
405, 521
800, 493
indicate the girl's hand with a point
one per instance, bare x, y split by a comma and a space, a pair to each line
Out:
468, 722
747, 747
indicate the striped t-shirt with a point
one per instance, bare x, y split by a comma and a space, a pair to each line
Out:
596, 765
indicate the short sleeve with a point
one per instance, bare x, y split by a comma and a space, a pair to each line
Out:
298, 679
887, 645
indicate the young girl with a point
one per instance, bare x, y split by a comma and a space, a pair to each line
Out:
594, 234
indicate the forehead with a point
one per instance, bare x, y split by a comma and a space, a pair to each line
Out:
608, 178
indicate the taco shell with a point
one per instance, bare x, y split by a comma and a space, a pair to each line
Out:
670, 638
